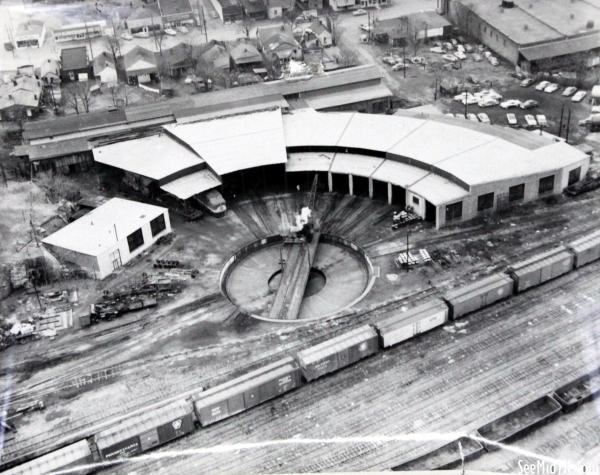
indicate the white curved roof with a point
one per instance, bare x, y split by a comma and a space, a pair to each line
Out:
472, 153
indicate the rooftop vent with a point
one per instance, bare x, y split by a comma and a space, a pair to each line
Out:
508, 4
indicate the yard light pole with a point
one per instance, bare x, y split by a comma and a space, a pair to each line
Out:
407, 236
560, 124
466, 104
568, 126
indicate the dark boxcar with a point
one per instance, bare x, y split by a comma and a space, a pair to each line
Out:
446, 457
479, 294
586, 249
146, 430
541, 268
74, 455
247, 391
416, 320
338, 352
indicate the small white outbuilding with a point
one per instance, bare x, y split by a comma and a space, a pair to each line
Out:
109, 236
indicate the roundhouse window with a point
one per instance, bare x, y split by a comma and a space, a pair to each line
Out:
454, 211
546, 184
516, 193
485, 201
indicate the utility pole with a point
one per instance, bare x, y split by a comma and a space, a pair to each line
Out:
466, 104
204, 25
87, 34
404, 61
560, 124
568, 126
407, 235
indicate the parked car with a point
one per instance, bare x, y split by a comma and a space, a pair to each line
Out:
389, 60
550, 88
526, 82
530, 121
437, 49
540, 86
472, 117
569, 91
450, 57
487, 101
359, 12
449, 114
541, 120
484, 118
510, 103
126, 36
469, 48
170, 31
142, 34
493, 61
418, 60
365, 27
183, 29
400, 65
477, 57
512, 120
460, 55
578, 96
528, 104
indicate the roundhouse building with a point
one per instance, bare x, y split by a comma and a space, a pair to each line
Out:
445, 169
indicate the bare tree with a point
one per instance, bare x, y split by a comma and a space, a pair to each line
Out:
70, 98
114, 44
78, 95
248, 24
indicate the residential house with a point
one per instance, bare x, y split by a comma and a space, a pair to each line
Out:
278, 42
144, 20
74, 64
228, 10
140, 65
393, 32
254, 9
30, 34
315, 36
20, 97
310, 4
245, 56
176, 13
177, 60
105, 69
275, 9
50, 72
79, 31
26, 70
215, 54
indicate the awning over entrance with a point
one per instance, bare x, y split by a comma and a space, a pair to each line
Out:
190, 185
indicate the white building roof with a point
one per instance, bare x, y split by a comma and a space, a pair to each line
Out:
438, 190
190, 185
324, 100
154, 157
237, 142
398, 173
309, 162
358, 165
100, 229
308, 127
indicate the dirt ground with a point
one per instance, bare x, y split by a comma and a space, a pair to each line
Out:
197, 337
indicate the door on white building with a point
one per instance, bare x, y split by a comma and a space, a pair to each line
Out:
115, 257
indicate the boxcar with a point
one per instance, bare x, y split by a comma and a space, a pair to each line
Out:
77, 454
144, 431
541, 268
338, 352
586, 249
578, 391
404, 325
247, 391
479, 294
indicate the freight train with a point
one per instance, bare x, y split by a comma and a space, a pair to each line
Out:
145, 430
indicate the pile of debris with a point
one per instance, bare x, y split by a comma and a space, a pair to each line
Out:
404, 217
410, 258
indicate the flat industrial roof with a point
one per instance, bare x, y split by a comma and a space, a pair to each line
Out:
562, 48
155, 157
237, 142
190, 185
358, 165
309, 162
343, 96
100, 229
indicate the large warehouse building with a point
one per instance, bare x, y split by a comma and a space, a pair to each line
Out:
534, 35
464, 170
109, 236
